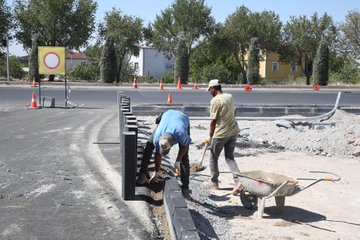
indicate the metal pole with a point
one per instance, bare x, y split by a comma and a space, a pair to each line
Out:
7, 60
40, 94
66, 94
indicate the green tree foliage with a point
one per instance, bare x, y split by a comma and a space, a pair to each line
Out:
126, 32
343, 69
88, 71
5, 23
321, 64
252, 73
93, 54
178, 29
243, 25
15, 68
350, 38
108, 65
66, 23
301, 39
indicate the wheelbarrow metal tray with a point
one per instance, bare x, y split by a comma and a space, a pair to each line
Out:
262, 183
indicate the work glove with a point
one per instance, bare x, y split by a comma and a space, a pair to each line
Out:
177, 168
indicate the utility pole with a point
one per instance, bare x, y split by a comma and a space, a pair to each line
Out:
7, 59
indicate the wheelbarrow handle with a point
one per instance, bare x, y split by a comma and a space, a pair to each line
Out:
320, 179
337, 178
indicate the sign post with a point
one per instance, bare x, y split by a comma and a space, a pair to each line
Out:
52, 60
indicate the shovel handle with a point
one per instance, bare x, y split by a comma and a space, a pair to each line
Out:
204, 151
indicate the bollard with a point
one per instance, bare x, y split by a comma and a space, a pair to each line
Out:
129, 168
52, 103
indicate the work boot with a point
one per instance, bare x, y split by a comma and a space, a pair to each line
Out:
186, 193
211, 185
142, 179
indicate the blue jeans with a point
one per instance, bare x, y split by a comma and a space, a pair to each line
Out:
217, 145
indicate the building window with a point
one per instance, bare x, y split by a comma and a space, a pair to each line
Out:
136, 65
275, 66
293, 67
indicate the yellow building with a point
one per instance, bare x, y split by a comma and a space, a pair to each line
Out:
272, 69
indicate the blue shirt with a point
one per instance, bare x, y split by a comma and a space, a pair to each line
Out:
176, 124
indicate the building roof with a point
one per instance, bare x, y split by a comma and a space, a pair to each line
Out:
69, 55
76, 55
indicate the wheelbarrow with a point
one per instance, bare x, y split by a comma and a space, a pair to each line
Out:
264, 185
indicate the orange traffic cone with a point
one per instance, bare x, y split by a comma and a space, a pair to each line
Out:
196, 85
248, 88
135, 83
179, 84
161, 85
169, 101
316, 87
33, 101
33, 83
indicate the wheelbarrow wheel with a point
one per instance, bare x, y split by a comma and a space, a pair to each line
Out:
249, 201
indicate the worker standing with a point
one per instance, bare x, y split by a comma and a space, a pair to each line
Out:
222, 134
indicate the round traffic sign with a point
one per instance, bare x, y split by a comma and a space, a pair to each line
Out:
51, 60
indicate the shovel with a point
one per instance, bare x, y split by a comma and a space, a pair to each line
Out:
198, 167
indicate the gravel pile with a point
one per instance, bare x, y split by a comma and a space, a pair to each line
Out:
337, 136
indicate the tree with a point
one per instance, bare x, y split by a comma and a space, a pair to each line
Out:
178, 29
301, 38
33, 59
108, 63
321, 64
126, 32
252, 73
68, 23
5, 25
243, 25
15, 68
350, 30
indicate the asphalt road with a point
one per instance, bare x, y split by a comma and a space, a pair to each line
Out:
55, 183
104, 97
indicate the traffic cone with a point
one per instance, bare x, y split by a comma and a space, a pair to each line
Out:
169, 101
179, 84
161, 85
316, 87
33, 83
33, 101
196, 85
135, 83
248, 88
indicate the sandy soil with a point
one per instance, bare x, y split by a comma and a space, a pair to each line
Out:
327, 210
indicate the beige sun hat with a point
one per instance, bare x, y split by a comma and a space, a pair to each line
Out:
213, 83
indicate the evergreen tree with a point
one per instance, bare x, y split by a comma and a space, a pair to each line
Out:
182, 65
252, 73
321, 64
33, 59
108, 63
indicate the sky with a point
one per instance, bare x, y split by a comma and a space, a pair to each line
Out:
221, 9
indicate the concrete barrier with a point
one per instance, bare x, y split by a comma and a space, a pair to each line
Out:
181, 224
